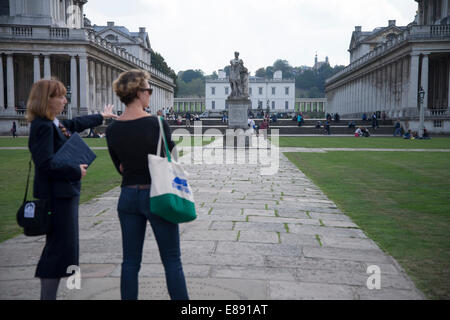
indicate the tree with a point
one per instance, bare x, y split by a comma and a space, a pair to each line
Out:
195, 88
160, 64
189, 75
285, 68
227, 70
261, 73
269, 72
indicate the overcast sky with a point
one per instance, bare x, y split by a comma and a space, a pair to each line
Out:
203, 34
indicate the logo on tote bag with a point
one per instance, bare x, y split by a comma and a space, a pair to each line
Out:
180, 184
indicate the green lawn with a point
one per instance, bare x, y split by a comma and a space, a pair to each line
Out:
400, 200
23, 142
372, 142
101, 177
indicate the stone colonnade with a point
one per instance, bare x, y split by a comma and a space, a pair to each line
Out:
90, 81
391, 87
310, 105
192, 105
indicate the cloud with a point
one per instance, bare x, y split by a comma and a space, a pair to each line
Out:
203, 34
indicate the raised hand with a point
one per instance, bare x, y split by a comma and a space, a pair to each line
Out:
107, 112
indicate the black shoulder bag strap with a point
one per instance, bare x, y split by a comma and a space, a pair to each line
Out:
28, 181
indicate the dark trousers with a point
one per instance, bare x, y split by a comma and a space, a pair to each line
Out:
134, 212
61, 248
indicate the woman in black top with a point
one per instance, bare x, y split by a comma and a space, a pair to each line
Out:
59, 184
130, 139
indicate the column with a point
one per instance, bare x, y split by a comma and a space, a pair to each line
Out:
444, 9
424, 80
424, 85
413, 81
448, 96
108, 85
92, 87
98, 87
73, 86
36, 67
47, 70
103, 85
84, 84
2, 92
372, 90
366, 95
10, 82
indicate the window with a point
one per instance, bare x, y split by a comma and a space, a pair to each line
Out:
250, 91
213, 91
273, 105
286, 105
226, 90
260, 90
437, 123
213, 105
286, 91
273, 91
111, 38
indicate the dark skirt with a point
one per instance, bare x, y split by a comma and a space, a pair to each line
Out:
62, 243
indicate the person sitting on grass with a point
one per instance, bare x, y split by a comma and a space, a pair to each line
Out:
358, 132
365, 132
408, 135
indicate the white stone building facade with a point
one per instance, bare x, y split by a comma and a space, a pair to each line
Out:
278, 94
389, 65
49, 38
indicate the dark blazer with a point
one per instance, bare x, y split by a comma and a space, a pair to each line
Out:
45, 140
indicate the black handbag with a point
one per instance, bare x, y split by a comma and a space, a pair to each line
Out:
34, 216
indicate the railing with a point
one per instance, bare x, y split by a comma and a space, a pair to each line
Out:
59, 33
437, 113
22, 31
45, 33
415, 32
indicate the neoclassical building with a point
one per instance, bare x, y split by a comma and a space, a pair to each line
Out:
52, 38
277, 94
389, 65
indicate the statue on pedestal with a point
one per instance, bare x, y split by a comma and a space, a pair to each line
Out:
238, 78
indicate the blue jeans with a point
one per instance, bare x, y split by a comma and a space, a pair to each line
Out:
134, 211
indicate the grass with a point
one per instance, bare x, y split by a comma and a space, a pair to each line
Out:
372, 142
23, 142
400, 200
102, 176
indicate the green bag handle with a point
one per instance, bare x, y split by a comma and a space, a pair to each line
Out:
161, 133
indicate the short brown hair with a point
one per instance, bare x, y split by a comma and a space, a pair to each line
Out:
41, 92
127, 85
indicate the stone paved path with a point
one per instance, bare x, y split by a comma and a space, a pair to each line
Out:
256, 237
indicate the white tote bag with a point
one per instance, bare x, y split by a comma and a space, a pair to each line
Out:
171, 196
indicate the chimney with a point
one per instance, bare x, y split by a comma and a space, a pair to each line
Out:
110, 23
141, 29
391, 23
358, 28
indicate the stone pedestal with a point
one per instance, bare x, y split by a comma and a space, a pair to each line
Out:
235, 139
238, 113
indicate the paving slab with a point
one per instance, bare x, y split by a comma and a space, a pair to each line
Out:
256, 237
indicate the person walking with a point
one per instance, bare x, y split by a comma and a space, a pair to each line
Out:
299, 120
14, 129
398, 128
188, 119
60, 185
130, 139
